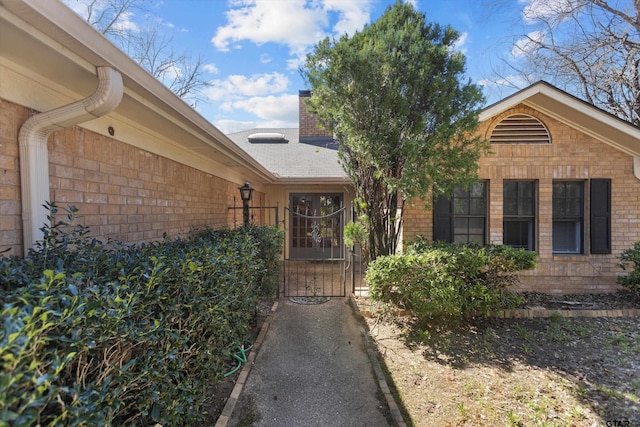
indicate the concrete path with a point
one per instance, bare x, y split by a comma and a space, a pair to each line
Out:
312, 369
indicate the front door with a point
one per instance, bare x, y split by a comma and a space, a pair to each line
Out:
316, 223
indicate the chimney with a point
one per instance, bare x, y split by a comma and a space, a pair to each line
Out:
310, 130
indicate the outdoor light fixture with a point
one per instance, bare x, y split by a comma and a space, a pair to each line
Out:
245, 194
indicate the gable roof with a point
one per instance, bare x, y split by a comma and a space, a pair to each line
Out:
576, 113
291, 160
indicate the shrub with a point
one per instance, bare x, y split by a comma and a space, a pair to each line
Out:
632, 280
98, 334
436, 280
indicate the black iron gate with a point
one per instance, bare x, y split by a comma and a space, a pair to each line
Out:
315, 262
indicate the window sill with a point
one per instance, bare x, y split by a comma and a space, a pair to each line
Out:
570, 257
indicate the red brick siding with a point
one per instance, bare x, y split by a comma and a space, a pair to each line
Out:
122, 192
11, 117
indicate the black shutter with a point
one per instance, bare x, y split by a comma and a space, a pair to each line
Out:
443, 219
600, 216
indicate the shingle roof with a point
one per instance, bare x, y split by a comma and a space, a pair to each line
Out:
291, 158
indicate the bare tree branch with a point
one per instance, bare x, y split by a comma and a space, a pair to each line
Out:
144, 42
590, 48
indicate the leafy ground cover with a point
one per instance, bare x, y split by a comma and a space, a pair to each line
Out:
514, 372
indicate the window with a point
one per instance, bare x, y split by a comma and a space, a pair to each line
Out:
519, 214
463, 218
568, 217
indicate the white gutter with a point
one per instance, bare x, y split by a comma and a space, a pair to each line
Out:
34, 156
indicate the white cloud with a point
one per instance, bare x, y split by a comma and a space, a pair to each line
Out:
352, 15
239, 86
281, 108
548, 10
211, 68
297, 24
287, 22
460, 44
527, 45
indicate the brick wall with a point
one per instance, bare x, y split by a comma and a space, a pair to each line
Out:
308, 123
122, 192
11, 116
572, 155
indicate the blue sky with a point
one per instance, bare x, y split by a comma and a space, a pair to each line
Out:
252, 48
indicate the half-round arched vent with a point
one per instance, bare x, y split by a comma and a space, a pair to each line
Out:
520, 129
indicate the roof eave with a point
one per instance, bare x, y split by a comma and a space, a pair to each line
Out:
89, 49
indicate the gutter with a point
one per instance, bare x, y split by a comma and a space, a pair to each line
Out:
34, 155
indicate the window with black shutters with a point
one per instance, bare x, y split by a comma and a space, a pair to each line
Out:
568, 217
519, 214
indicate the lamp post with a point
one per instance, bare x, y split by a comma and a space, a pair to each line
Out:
246, 192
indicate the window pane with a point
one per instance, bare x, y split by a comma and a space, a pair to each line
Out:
510, 207
526, 206
461, 206
461, 226
460, 238
477, 207
566, 236
574, 189
477, 190
510, 189
460, 192
519, 234
479, 240
476, 226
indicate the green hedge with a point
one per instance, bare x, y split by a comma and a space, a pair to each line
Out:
108, 334
436, 280
631, 258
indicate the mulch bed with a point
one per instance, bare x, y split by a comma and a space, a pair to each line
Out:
609, 301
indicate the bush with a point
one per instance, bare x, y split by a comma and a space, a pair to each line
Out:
447, 280
111, 334
632, 280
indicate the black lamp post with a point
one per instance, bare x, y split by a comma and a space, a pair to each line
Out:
246, 192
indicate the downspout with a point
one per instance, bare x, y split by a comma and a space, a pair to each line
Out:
636, 166
34, 156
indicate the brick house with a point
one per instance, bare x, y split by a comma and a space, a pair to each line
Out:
562, 178
82, 124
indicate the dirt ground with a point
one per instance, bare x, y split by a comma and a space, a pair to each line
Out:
516, 372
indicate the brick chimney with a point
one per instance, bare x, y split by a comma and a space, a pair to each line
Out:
309, 128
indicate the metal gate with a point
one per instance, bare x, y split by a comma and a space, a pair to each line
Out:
315, 262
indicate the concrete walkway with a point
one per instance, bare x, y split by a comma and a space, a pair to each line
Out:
312, 369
